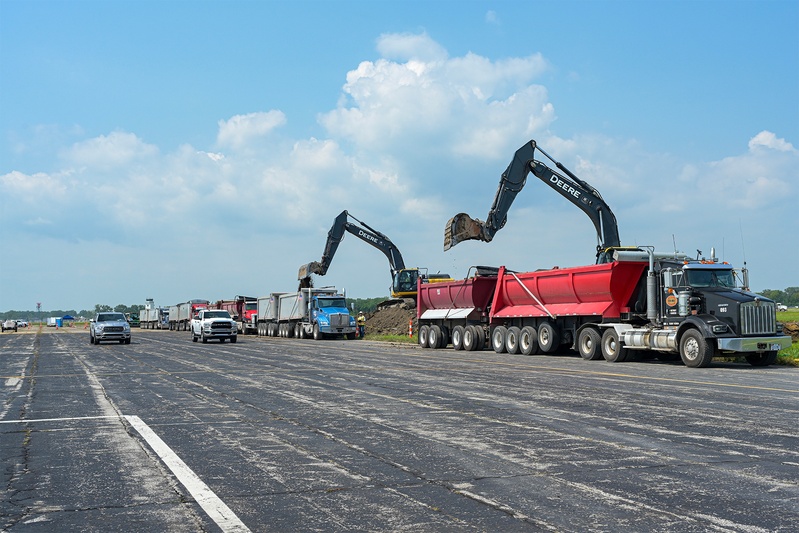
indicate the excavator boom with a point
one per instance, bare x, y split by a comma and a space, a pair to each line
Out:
462, 227
342, 225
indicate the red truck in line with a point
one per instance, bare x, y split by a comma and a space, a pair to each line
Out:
242, 309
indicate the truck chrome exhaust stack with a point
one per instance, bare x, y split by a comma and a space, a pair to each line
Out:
461, 228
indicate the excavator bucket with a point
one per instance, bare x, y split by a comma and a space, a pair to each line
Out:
307, 270
460, 228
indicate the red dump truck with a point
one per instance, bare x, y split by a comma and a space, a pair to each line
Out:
242, 309
671, 305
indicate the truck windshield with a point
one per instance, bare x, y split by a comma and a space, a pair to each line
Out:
251, 306
332, 302
217, 314
710, 278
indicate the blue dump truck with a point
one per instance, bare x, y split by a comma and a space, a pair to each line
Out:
312, 312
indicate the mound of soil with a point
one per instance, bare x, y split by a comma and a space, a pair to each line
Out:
392, 320
792, 329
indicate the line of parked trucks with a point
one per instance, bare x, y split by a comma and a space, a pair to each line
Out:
307, 313
632, 299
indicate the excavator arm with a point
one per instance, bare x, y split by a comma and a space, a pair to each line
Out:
342, 225
462, 227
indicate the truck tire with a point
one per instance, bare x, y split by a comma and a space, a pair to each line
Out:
233, 339
481, 338
457, 338
528, 341
317, 333
498, 338
612, 349
435, 337
589, 343
193, 337
424, 332
204, 338
695, 351
762, 359
469, 338
512, 340
548, 337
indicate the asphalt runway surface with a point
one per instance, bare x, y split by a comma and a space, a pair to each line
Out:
301, 435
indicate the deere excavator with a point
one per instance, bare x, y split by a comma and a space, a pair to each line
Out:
403, 280
462, 227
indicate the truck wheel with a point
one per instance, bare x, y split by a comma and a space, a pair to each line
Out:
469, 339
695, 351
457, 337
317, 333
434, 337
233, 339
193, 337
612, 350
424, 332
512, 340
762, 359
91, 338
498, 338
528, 341
480, 334
588, 344
548, 337
204, 338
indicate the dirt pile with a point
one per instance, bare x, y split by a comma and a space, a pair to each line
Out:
792, 329
392, 320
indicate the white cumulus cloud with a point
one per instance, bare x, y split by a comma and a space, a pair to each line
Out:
239, 130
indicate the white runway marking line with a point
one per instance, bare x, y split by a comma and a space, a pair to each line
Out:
205, 497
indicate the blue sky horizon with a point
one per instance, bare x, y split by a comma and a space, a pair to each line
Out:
201, 149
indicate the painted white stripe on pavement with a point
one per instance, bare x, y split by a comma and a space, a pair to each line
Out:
204, 496
29, 420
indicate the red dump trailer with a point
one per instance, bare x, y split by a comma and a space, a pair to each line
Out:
456, 309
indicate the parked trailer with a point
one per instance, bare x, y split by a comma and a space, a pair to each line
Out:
267, 317
666, 303
457, 310
180, 315
153, 317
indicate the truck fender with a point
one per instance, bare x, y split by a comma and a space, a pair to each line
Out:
619, 327
702, 323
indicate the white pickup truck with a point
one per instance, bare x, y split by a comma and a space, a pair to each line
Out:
213, 324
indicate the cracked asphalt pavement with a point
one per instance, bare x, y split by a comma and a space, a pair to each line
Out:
300, 435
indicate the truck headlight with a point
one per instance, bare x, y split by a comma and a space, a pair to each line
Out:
719, 328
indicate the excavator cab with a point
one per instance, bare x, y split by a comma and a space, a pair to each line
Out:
404, 283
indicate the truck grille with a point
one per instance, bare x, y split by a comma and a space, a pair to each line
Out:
220, 325
758, 318
112, 329
339, 320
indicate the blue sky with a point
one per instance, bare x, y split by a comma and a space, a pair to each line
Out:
177, 149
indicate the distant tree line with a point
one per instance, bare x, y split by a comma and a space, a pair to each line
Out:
789, 296
367, 305
33, 316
